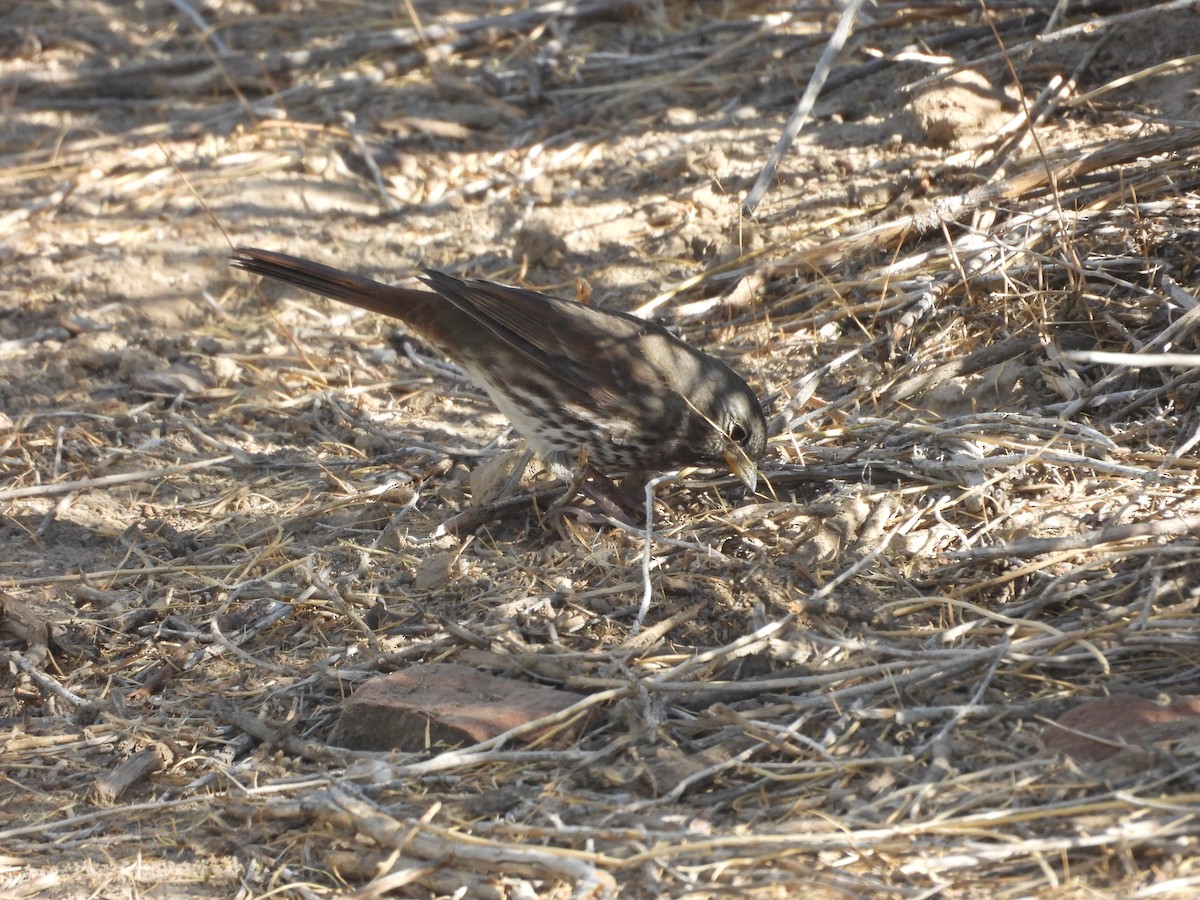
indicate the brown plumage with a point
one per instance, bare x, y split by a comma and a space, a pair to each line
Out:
570, 377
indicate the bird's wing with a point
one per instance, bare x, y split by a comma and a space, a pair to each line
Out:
526, 321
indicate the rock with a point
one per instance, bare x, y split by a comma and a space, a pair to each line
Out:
441, 705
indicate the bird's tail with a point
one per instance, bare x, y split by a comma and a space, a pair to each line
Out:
329, 282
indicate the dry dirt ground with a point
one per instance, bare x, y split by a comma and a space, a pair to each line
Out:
224, 506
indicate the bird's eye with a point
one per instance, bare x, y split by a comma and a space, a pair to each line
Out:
738, 434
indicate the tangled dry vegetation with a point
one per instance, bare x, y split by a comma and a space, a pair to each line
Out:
973, 303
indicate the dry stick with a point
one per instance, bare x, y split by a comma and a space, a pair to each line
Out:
977, 361
898, 839
1178, 293
395, 878
1135, 360
54, 199
655, 633
962, 710
48, 685
1086, 541
1025, 425
1089, 27
770, 738
1123, 832
1142, 74
966, 34
149, 475
1181, 327
1052, 96
105, 85
804, 388
1114, 153
1072, 407
1068, 248
222, 644
94, 817
988, 258
482, 752
1014, 133
20, 620
427, 841
743, 646
109, 788
1173, 333
836, 41
320, 581
821, 691
368, 158
265, 732
647, 543
206, 30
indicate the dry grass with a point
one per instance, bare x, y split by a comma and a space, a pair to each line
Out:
222, 515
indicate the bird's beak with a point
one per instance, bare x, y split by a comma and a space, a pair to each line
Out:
742, 466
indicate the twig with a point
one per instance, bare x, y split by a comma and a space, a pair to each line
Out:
799, 116
84, 484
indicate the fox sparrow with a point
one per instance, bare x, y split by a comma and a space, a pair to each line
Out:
578, 382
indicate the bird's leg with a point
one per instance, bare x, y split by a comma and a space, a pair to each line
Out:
608, 497
612, 497
589, 481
